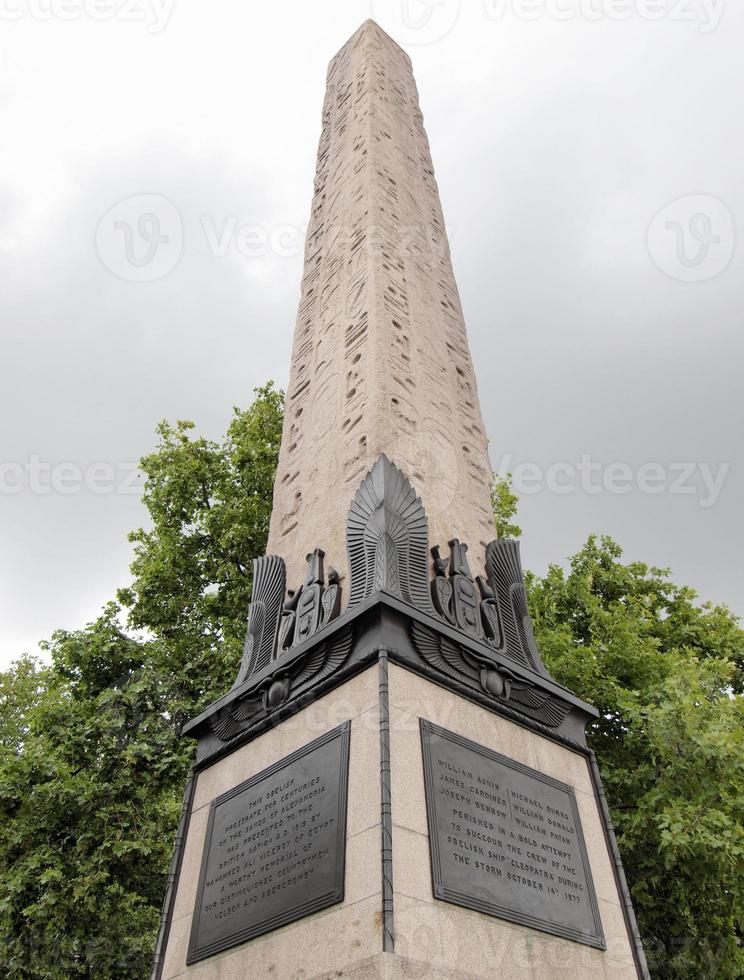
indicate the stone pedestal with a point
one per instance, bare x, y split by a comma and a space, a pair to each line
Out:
459, 942
389, 924
400, 789
339, 936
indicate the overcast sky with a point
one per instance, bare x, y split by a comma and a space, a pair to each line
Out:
589, 155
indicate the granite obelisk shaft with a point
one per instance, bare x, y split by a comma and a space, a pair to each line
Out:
380, 360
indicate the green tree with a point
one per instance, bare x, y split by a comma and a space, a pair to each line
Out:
21, 688
504, 503
209, 505
91, 766
666, 676
84, 796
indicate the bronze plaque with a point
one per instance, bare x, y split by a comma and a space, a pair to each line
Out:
506, 840
275, 847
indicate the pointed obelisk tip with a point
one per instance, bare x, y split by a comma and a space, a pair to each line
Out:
371, 27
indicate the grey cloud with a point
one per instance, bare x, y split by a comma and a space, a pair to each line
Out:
553, 152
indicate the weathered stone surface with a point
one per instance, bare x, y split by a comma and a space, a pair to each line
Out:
380, 360
432, 938
389, 966
453, 939
296, 950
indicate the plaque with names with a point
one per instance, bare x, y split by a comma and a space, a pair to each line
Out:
506, 840
274, 848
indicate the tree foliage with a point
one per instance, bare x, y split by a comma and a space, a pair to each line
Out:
504, 503
92, 769
210, 506
91, 766
666, 676
84, 797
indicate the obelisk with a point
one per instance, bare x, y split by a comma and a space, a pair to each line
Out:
380, 360
394, 786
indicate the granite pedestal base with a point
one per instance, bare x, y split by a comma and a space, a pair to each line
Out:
389, 922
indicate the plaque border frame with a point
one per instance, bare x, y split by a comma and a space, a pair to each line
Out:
331, 897
454, 897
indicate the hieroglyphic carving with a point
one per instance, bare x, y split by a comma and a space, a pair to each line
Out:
481, 671
387, 538
441, 588
380, 360
314, 605
490, 617
264, 615
507, 580
464, 597
331, 601
289, 617
309, 606
276, 624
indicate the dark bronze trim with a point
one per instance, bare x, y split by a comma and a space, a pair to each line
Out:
381, 621
355, 615
386, 814
174, 876
639, 955
283, 713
